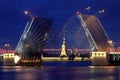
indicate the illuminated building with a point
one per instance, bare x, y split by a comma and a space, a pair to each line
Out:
63, 50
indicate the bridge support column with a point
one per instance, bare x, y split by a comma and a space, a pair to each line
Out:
8, 59
99, 58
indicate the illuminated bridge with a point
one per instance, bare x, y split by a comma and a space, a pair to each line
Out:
81, 38
82, 32
34, 37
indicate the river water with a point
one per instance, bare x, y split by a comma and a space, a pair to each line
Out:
60, 73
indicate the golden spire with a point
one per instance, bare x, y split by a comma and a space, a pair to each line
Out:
63, 50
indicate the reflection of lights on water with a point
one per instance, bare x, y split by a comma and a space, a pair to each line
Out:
16, 59
92, 66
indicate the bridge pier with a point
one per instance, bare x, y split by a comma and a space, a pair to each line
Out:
99, 59
8, 59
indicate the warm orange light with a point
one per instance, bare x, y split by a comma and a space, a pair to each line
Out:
110, 42
17, 58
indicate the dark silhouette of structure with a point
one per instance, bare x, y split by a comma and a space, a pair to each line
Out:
32, 41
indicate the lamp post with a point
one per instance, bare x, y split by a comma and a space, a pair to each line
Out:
88, 8
101, 11
28, 13
110, 46
6, 46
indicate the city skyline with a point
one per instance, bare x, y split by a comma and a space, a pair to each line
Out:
13, 20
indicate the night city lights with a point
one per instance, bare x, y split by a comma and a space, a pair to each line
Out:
60, 40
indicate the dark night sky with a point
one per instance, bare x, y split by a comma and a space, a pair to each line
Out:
13, 20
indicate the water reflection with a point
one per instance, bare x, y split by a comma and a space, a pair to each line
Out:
59, 73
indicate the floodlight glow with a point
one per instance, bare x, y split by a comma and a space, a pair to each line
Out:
16, 59
26, 12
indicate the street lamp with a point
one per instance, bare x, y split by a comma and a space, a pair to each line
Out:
88, 8
110, 45
6, 46
28, 13
101, 11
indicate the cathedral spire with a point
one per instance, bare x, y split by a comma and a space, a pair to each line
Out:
63, 50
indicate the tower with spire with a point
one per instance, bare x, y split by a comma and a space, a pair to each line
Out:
63, 50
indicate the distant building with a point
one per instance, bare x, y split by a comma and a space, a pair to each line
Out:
63, 50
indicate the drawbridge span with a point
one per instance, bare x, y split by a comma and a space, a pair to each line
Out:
81, 32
